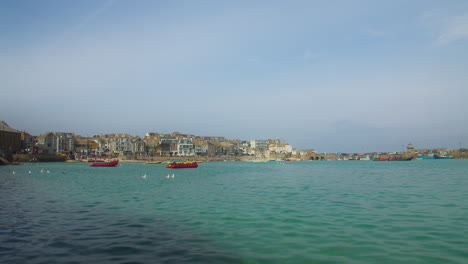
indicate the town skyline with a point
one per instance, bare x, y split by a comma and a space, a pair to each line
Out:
336, 76
215, 138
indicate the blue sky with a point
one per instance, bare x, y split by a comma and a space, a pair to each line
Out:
337, 76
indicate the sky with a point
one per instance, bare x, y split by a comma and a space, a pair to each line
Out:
335, 76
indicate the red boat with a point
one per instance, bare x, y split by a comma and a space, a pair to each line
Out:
105, 164
393, 159
182, 165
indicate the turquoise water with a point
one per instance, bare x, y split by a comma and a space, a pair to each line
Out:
236, 212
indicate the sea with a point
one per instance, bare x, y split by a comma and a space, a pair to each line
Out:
236, 212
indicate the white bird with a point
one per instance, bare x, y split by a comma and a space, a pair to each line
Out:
167, 177
143, 176
42, 170
14, 172
29, 172
173, 175
48, 171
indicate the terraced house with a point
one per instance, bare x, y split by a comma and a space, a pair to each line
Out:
201, 147
54, 142
120, 144
168, 145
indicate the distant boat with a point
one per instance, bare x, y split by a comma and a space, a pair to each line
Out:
105, 164
182, 165
400, 159
153, 162
171, 161
392, 159
425, 157
380, 159
442, 157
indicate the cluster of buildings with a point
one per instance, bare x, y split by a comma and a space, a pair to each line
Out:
152, 144
176, 144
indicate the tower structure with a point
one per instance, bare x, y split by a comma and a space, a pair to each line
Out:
410, 148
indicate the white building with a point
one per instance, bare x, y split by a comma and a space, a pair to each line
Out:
185, 147
281, 148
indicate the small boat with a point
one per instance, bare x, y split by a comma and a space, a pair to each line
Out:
171, 161
380, 159
105, 164
425, 157
153, 162
393, 159
442, 157
291, 159
429, 155
95, 160
400, 159
182, 165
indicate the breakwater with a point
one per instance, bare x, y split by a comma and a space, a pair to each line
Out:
37, 158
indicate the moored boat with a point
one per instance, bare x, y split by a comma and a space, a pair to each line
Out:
429, 155
380, 159
392, 159
182, 165
442, 157
153, 162
400, 159
105, 164
425, 157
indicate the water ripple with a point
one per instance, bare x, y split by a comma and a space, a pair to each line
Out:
303, 212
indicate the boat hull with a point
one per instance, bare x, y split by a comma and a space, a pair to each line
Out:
105, 164
443, 157
425, 157
182, 165
153, 162
392, 159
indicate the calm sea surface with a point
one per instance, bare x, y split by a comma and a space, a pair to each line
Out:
236, 212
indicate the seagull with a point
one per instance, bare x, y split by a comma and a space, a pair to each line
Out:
168, 176
48, 171
29, 172
143, 176
14, 172
173, 175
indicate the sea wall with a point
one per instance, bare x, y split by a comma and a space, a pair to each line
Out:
4, 160
37, 158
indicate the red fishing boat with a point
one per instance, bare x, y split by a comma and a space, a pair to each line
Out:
392, 159
182, 165
105, 164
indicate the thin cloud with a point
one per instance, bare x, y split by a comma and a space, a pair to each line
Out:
455, 29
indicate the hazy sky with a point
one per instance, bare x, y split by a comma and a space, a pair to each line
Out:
337, 76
